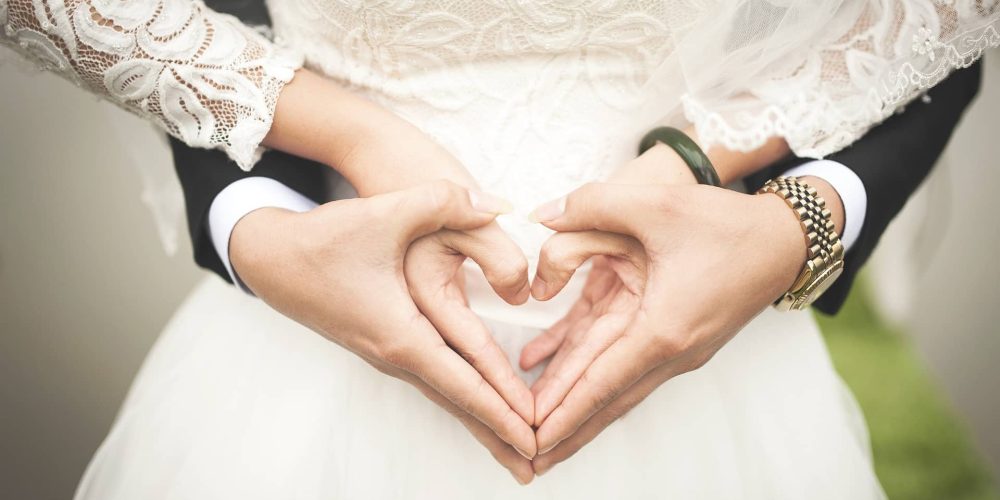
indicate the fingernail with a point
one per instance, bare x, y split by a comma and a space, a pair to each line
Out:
538, 288
485, 202
546, 450
541, 472
549, 211
523, 454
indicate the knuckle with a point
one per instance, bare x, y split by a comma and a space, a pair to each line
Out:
602, 394
467, 400
509, 271
397, 353
442, 195
699, 360
475, 354
557, 252
670, 344
378, 208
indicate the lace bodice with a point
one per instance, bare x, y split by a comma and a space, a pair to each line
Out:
534, 97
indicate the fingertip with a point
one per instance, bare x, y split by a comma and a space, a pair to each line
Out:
541, 464
539, 288
522, 294
523, 473
548, 212
488, 203
529, 359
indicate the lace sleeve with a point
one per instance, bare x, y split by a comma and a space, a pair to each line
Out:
821, 74
202, 76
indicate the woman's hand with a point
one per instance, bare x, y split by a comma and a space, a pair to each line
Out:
703, 262
339, 270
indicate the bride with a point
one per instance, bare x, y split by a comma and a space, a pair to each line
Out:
526, 101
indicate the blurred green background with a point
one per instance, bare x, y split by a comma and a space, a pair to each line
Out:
922, 449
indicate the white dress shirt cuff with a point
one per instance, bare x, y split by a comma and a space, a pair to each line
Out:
240, 198
848, 185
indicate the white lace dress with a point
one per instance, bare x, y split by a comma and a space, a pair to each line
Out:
236, 401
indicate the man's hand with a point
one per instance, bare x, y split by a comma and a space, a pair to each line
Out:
695, 265
339, 270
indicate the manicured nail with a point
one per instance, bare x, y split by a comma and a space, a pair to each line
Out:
523, 454
546, 450
485, 202
549, 211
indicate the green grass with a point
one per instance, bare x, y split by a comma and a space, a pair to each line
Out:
922, 449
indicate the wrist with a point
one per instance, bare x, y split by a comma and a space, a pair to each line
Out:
732, 165
782, 234
823, 261
660, 164
251, 244
832, 198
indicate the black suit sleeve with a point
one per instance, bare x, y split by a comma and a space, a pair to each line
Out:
205, 173
892, 160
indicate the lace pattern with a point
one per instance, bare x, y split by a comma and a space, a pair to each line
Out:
889, 53
202, 76
536, 98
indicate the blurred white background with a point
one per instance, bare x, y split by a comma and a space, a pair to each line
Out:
85, 285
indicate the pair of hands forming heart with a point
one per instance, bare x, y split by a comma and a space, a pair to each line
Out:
653, 306
649, 312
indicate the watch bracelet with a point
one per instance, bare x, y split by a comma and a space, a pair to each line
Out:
824, 248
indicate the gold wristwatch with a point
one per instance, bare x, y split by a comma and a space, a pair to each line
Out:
825, 257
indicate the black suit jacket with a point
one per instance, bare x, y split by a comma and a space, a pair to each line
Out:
892, 160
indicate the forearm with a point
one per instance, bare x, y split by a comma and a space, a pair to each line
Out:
735, 165
375, 150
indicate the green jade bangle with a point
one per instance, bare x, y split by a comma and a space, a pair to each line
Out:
686, 148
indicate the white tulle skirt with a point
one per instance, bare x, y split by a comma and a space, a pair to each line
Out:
237, 402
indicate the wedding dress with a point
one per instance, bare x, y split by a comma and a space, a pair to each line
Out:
535, 98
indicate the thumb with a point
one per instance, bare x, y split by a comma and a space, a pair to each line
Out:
563, 253
432, 206
617, 208
502, 261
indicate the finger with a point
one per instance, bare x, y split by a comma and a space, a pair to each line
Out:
617, 208
563, 253
431, 206
466, 333
602, 419
620, 366
508, 457
502, 261
574, 336
546, 343
605, 331
447, 373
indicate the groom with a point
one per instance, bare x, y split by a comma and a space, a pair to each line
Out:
873, 178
